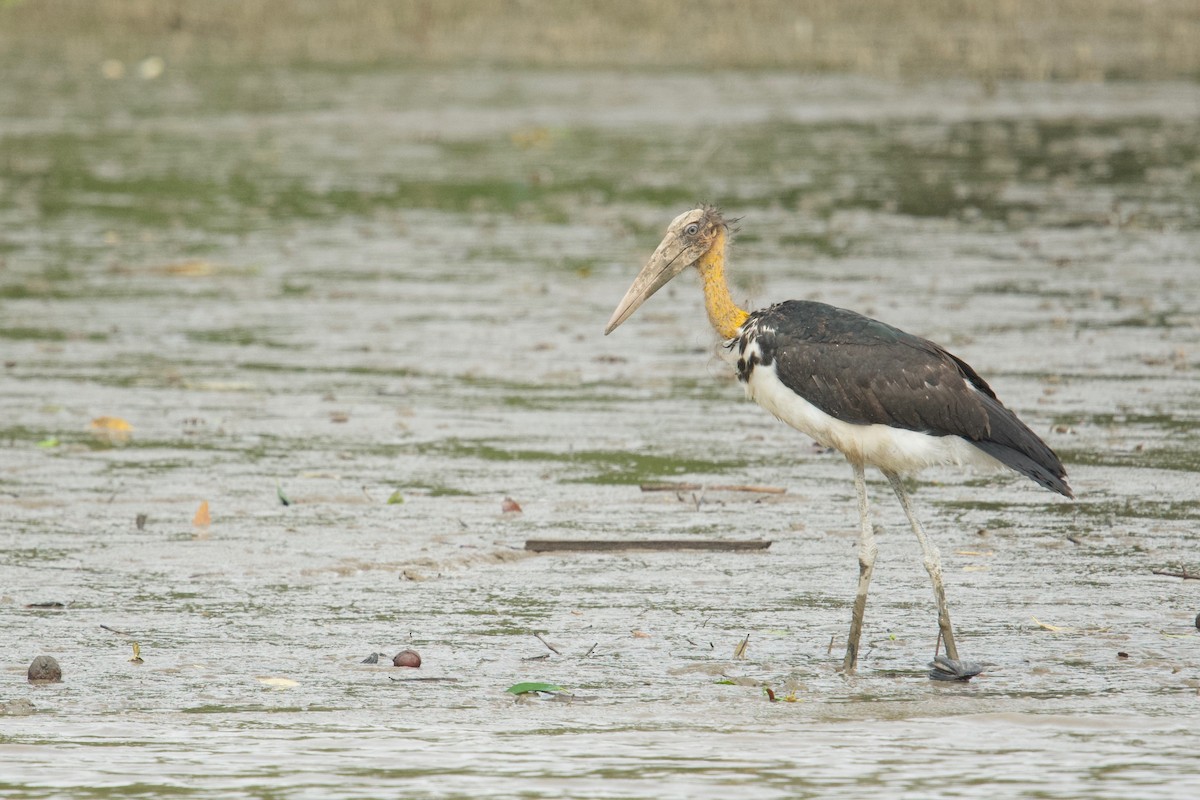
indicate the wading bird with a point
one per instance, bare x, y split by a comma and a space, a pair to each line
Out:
883, 397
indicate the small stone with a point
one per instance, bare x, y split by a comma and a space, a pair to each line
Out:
1198, 621
407, 658
45, 669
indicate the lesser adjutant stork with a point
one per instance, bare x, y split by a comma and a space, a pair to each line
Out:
883, 397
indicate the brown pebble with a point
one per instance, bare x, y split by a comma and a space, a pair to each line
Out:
45, 669
1122, 654
407, 658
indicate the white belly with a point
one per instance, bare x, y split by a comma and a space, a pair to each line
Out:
891, 449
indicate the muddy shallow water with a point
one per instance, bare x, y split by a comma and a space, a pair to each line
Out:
337, 287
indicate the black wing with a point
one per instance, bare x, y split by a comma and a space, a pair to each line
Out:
865, 372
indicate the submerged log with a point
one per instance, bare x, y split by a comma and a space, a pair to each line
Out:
612, 545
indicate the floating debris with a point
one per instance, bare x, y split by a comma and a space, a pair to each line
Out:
743, 646
947, 669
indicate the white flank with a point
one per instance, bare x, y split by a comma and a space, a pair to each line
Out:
892, 449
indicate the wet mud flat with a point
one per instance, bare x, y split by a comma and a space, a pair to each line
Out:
343, 288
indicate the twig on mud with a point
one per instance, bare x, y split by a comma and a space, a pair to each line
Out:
590, 649
716, 487
114, 630
554, 649
1183, 573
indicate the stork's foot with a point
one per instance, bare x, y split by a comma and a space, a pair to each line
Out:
943, 668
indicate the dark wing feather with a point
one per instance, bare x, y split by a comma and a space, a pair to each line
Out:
866, 372
863, 371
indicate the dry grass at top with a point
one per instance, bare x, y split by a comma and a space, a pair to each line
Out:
1004, 39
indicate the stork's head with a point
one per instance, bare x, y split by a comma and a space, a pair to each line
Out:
689, 238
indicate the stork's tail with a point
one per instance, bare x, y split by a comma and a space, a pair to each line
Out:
1014, 445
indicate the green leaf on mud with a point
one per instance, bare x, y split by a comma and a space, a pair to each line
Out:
396, 498
525, 688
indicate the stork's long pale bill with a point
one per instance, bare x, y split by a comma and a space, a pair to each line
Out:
673, 255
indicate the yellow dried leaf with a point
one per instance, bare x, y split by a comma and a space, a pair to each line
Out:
1047, 627
1176, 635
740, 650
112, 424
528, 138
202, 518
278, 683
194, 268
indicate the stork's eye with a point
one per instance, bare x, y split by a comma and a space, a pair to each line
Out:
692, 230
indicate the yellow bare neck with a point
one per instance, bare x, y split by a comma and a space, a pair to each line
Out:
723, 313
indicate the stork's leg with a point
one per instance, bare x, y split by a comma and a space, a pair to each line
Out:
866, 565
933, 565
